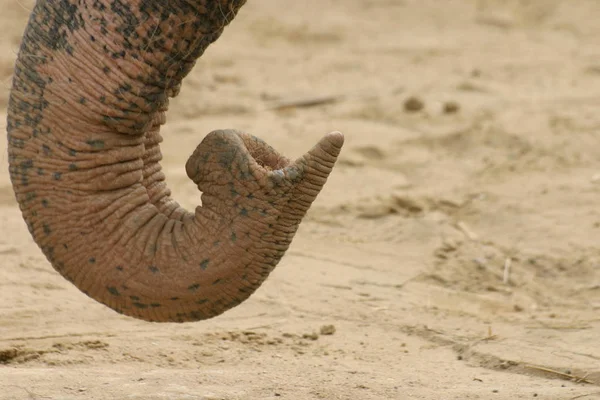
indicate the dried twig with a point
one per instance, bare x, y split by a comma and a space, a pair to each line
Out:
578, 379
507, 265
464, 228
306, 102
581, 396
490, 335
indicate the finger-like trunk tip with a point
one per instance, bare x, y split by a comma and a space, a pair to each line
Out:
336, 139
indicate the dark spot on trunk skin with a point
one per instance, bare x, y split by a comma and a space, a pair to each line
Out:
174, 298
117, 55
124, 88
57, 176
12, 141
30, 196
204, 264
25, 166
245, 290
201, 301
92, 260
140, 305
99, 6
198, 315
153, 269
134, 298
194, 287
119, 268
47, 229
49, 252
113, 290
217, 281
155, 305
96, 144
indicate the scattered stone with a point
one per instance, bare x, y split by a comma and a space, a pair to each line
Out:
327, 330
409, 204
311, 336
451, 107
413, 104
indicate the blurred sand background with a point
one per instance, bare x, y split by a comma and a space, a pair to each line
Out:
493, 165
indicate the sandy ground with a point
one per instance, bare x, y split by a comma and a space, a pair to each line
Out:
405, 251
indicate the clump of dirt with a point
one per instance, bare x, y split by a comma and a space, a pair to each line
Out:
49, 354
19, 355
297, 342
84, 345
6, 355
327, 330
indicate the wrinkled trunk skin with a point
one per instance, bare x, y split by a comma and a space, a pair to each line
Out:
90, 92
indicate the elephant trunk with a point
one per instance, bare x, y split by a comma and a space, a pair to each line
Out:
90, 92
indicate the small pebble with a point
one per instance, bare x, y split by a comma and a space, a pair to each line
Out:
327, 330
451, 107
413, 104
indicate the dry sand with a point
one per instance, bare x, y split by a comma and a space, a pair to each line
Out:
404, 252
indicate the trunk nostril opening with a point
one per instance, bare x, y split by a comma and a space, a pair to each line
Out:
264, 155
268, 159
